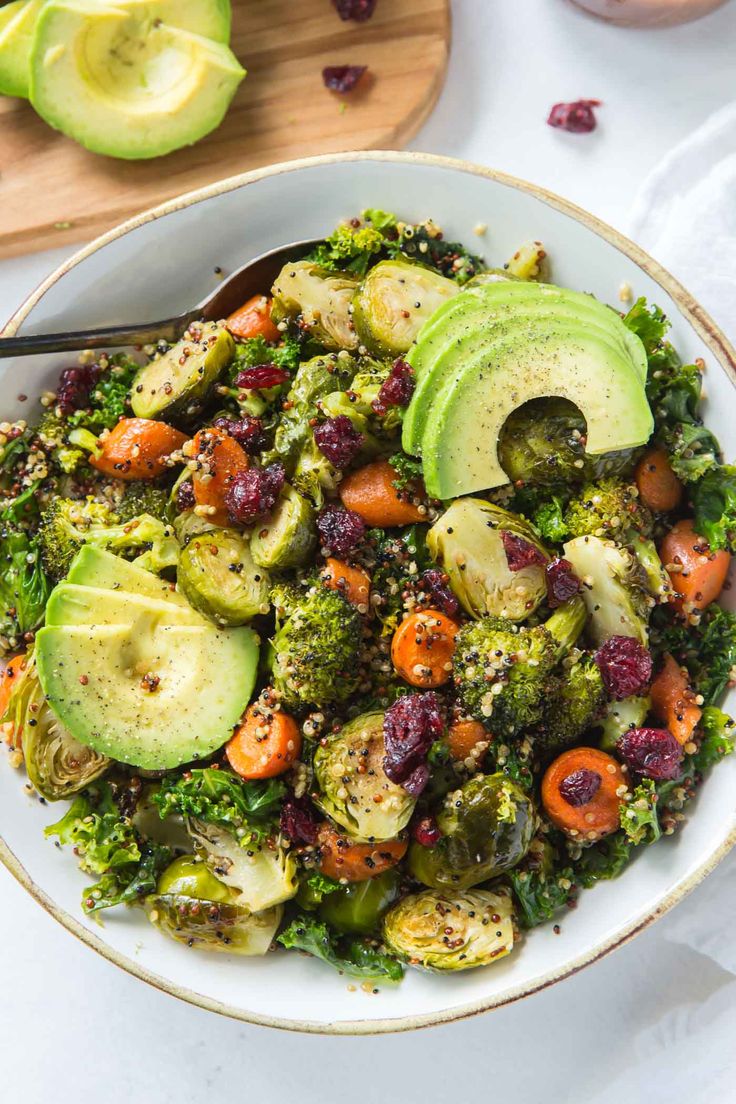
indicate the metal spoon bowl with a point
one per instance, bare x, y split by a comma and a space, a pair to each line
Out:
253, 278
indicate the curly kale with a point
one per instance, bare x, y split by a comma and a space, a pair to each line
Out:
714, 502
353, 957
408, 470
24, 586
254, 351
542, 884
603, 860
639, 818
349, 249
110, 398
707, 649
719, 738
130, 883
102, 838
692, 450
248, 809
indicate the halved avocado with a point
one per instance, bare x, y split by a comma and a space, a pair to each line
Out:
155, 699
125, 85
94, 567
175, 383
17, 23
70, 604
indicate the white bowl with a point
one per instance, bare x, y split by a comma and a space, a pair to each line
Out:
159, 263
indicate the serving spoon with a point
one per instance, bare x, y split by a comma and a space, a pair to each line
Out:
253, 278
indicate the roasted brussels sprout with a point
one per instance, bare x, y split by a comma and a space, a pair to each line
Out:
358, 907
613, 589
260, 875
322, 299
189, 524
353, 787
482, 930
315, 378
619, 717
393, 303
175, 383
289, 537
218, 578
486, 825
469, 541
196, 909
654, 577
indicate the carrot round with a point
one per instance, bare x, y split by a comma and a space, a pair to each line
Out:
137, 448
265, 743
659, 488
696, 573
582, 793
345, 860
352, 582
253, 319
422, 648
221, 458
370, 492
673, 700
464, 738
10, 672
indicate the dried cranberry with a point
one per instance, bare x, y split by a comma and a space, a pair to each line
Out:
247, 431
340, 530
261, 377
435, 583
625, 665
253, 493
576, 117
299, 820
426, 831
397, 389
338, 440
520, 553
359, 10
580, 787
342, 78
562, 582
185, 497
410, 727
653, 752
76, 386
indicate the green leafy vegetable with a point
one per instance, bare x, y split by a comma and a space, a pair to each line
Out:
541, 885
719, 736
93, 825
639, 818
408, 470
109, 401
248, 809
349, 249
714, 501
603, 860
354, 957
130, 883
256, 350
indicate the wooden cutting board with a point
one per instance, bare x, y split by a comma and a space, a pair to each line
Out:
52, 192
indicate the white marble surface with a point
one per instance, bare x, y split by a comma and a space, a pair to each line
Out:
655, 1020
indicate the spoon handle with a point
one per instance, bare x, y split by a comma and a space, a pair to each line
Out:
146, 333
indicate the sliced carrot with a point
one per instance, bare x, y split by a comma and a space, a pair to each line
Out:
422, 648
221, 458
696, 573
10, 672
659, 487
253, 319
370, 492
265, 743
137, 448
596, 817
352, 582
673, 700
342, 858
468, 740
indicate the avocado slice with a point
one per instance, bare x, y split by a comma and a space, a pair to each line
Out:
126, 85
101, 683
71, 604
95, 567
17, 23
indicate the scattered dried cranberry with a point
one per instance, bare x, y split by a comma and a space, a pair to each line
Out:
410, 727
299, 820
397, 389
338, 440
76, 386
653, 752
435, 583
359, 10
253, 493
580, 787
625, 665
576, 117
185, 497
426, 831
261, 377
342, 78
520, 553
247, 431
562, 582
340, 530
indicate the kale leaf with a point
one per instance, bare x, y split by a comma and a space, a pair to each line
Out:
719, 736
130, 883
101, 837
353, 957
714, 502
220, 797
639, 818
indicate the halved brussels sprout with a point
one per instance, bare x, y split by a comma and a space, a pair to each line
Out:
468, 542
189, 524
654, 576
451, 931
358, 907
260, 876
619, 717
176, 383
393, 303
348, 794
169, 831
218, 578
196, 909
289, 537
322, 298
487, 826
612, 588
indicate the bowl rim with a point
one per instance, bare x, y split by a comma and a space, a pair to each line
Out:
717, 344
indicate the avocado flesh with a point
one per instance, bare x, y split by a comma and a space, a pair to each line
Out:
71, 604
94, 678
95, 567
17, 23
126, 86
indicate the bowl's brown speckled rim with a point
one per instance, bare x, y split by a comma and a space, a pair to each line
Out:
720, 348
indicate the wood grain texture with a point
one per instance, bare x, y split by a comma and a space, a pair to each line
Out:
52, 192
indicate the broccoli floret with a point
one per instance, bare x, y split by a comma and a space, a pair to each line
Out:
349, 249
503, 672
574, 705
608, 508
316, 650
141, 497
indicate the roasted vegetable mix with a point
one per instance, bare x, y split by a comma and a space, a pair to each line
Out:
319, 664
